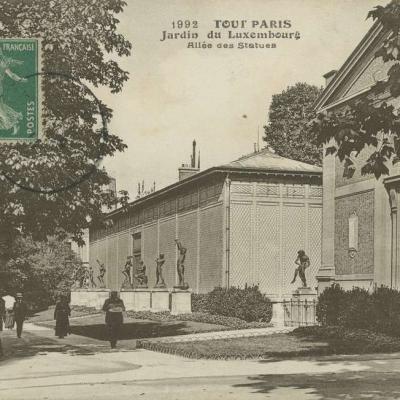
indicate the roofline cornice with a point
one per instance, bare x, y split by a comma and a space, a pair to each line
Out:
214, 171
354, 57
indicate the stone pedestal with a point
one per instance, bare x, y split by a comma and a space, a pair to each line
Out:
181, 301
304, 293
278, 316
126, 295
159, 299
142, 299
89, 297
136, 299
301, 310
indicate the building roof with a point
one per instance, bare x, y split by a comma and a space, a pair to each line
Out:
269, 161
263, 162
374, 34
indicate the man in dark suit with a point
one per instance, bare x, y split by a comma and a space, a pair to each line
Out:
20, 310
114, 307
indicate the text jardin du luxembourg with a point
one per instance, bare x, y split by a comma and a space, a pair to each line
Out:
237, 30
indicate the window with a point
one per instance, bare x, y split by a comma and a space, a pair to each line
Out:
137, 246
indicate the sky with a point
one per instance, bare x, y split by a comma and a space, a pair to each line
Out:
219, 97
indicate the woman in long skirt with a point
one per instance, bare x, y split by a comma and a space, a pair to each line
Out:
61, 314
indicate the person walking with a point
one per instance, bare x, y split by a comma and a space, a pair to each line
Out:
20, 310
61, 313
9, 313
114, 307
2, 312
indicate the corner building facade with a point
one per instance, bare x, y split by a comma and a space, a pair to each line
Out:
360, 235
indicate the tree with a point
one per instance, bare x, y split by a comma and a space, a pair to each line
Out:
288, 131
365, 121
55, 186
39, 269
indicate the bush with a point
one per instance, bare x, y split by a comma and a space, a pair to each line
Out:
378, 311
330, 305
248, 304
386, 311
199, 302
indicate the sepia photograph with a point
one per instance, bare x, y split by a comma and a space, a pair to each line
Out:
199, 199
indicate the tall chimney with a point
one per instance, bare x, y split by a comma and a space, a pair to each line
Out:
190, 169
194, 155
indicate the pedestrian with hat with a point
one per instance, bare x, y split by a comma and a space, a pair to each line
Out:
20, 310
61, 313
9, 314
114, 307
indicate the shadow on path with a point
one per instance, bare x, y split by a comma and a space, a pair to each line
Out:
132, 330
349, 385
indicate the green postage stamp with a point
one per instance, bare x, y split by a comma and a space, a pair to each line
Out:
19, 89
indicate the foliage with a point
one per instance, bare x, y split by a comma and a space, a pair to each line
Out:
199, 302
288, 131
369, 121
79, 40
40, 270
378, 311
330, 305
248, 304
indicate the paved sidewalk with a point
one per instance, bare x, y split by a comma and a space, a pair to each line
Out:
240, 333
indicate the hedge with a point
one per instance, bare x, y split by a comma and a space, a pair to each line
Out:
378, 311
247, 304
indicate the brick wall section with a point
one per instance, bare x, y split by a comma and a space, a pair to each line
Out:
167, 247
363, 205
187, 233
149, 251
211, 247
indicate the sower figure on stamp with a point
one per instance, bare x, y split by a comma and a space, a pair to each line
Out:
180, 264
102, 272
159, 277
303, 262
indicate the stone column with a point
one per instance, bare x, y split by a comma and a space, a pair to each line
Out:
392, 185
326, 272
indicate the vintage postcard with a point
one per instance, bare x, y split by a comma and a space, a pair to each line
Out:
199, 199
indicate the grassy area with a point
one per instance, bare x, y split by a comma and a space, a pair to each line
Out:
272, 346
308, 341
227, 322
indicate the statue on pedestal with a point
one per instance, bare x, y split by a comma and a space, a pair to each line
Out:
102, 272
92, 283
85, 282
180, 265
160, 283
127, 284
76, 277
140, 276
303, 263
